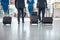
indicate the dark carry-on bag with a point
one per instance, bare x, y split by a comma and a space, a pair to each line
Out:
7, 20
34, 18
46, 19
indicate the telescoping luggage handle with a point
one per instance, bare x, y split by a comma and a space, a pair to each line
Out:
47, 12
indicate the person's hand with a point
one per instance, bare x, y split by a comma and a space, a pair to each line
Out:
9, 7
28, 15
25, 7
46, 8
37, 8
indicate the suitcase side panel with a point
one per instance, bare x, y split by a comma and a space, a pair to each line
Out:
47, 20
7, 20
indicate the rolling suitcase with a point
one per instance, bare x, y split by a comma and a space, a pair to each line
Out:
7, 20
34, 18
47, 20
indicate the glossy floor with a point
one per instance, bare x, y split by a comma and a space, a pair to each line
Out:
26, 31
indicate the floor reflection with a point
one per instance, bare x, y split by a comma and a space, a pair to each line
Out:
27, 31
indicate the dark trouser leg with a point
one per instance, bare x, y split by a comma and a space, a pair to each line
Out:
18, 15
22, 10
39, 14
43, 12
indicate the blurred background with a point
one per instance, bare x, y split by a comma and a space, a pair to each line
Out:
26, 31
53, 6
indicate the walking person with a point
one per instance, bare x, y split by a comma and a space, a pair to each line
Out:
20, 4
41, 5
30, 7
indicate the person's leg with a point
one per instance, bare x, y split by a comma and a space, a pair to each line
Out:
18, 16
30, 8
5, 11
29, 11
43, 12
39, 12
5, 8
22, 10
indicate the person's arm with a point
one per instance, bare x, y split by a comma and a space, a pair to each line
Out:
46, 3
15, 2
37, 3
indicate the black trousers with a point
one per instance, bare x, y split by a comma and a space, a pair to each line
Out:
43, 13
21, 11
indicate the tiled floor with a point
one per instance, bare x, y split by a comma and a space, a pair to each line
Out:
26, 31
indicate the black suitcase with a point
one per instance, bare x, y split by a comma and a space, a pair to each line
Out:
7, 20
48, 20
34, 18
